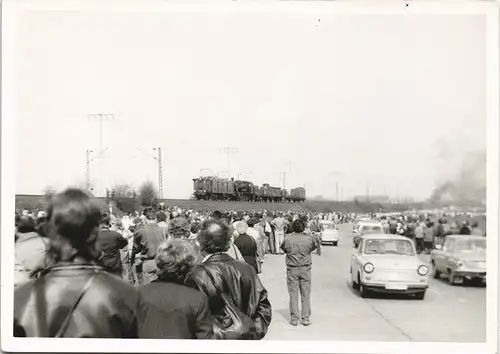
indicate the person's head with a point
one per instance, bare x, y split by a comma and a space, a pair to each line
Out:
73, 217
298, 226
150, 214
241, 227
105, 220
160, 216
26, 224
214, 236
179, 228
41, 217
252, 222
174, 260
217, 215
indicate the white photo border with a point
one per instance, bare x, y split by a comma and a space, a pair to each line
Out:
11, 13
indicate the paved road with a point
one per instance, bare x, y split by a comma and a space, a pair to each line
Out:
448, 313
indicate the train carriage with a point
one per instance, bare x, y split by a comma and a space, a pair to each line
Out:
213, 188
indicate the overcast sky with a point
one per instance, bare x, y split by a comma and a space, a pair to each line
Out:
374, 98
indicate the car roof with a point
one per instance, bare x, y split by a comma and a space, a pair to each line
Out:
370, 223
385, 237
326, 222
469, 237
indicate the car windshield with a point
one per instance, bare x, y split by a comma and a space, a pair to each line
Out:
388, 246
328, 226
470, 245
369, 229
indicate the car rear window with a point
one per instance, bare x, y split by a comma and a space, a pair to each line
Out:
371, 229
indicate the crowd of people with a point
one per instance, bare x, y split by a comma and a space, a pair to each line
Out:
163, 273
426, 232
171, 273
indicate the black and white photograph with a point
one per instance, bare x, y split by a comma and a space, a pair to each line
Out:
292, 174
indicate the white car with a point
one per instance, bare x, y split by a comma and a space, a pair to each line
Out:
329, 233
365, 228
388, 264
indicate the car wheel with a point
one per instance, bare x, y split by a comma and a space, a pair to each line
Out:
435, 272
420, 295
451, 277
363, 291
354, 285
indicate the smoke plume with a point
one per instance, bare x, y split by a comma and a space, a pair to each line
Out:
467, 181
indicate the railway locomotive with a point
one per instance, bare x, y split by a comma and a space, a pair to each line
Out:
213, 188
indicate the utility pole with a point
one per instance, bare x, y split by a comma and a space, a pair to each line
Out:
88, 161
336, 173
289, 172
229, 150
101, 117
87, 179
284, 176
160, 173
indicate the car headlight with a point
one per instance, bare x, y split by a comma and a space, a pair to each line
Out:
422, 270
460, 264
368, 267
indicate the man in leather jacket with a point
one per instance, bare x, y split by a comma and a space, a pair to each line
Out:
75, 298
298, 248
238, 279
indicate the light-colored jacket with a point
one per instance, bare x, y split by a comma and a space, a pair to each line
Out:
31, 255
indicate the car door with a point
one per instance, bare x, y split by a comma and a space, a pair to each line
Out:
448, 249
442, 260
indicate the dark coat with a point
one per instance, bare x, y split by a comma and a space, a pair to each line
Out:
240, 283
110, 243
174, 311
107, 310
248, 249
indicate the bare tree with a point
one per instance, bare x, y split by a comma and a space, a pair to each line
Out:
148, 194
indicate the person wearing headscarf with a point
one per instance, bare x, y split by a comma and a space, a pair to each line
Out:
246, 244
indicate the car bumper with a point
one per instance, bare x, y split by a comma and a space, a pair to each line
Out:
396, 288
470, 274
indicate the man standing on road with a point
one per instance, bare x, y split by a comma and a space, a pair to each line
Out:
279, 233
269, 230
419, 236
298, 248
